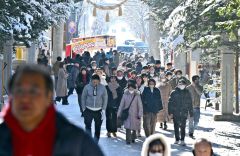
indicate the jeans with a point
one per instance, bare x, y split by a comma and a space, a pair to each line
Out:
179, 123
89, 116
149, 123
193, 122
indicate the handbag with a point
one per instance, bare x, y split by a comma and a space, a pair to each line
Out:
125, 112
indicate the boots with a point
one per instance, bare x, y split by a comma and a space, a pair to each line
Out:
161, 125
65, 101
165, 125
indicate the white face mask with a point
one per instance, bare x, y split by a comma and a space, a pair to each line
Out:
179, 76
131, 91
151, 86
182, 87
155, 154
120, 77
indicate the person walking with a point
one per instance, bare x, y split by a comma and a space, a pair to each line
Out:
152, 104
94, 104
33, 126
178, 76
196, 91
121, 79
180, 105
156, 145
72, 78
114, 98
82, 80
61, 92
165, 89
56, 70
131, 99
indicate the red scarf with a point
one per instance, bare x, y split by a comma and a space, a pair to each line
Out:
39, 142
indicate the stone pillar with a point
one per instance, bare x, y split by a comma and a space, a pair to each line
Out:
7, 60
180, 62
58, 34
227, 78
154, 36
31, 55
194, 61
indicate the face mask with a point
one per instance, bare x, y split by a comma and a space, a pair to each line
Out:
151, 86
120, 77
152, 72
94, 67
131, 91
161, 72
179, 76
182, 87
169, 77
155, 154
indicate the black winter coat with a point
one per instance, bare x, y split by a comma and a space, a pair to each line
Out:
122, 83
114, 103
80, 84
152, 102
180, 104
70, 140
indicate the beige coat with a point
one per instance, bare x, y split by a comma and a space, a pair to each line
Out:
165, 90
61, 90
133, 121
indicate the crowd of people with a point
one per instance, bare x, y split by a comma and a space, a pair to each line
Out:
131, 92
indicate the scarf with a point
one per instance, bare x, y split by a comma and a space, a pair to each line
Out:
113, 88
38, 142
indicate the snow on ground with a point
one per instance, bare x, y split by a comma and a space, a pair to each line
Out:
224, 135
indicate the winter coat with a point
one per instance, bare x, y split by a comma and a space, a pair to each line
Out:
56, 68
114, 103
95, 102
73, 77
122, 82
162, 138
196, 93
165, 90
107, 70
174, 81
80, 84
133, 121
61, 90
152, 102
116, 59
70, 140
180, 104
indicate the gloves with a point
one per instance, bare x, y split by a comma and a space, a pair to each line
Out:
103, 115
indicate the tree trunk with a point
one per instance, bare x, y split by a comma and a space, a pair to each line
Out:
7, 60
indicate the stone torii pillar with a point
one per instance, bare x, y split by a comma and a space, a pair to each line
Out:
227, 79
58, 34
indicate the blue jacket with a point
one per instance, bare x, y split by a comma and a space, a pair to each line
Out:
152, 102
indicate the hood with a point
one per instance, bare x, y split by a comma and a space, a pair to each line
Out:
153, 137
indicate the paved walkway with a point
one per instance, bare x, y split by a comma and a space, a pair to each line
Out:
224, 135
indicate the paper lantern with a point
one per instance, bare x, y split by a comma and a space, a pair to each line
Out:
120, 11
94, 11
107, 17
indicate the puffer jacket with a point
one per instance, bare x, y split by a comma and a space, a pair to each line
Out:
95, 102
180, 104
162, 138
70, 140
